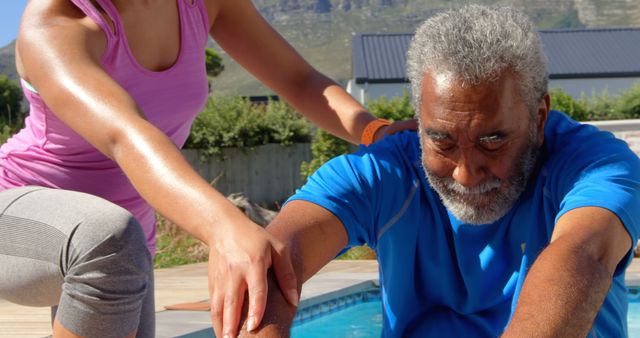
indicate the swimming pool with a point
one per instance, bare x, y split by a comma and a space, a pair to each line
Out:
362, 318
359, 315
356, 315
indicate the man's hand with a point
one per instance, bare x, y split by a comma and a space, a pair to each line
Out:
568, 282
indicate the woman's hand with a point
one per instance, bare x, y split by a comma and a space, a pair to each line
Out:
238, 262
395, 127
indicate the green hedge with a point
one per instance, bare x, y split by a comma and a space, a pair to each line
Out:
599, 107
228, 122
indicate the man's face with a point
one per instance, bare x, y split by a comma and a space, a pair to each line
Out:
479, 144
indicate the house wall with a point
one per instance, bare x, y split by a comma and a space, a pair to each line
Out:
577, 87
371, 91
574, 87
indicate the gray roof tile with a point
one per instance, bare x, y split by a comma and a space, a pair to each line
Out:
572, 53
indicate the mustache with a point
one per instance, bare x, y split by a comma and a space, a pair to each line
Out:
482, 188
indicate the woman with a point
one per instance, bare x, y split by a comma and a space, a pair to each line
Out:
113, 87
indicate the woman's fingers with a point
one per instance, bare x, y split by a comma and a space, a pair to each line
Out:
217, 308
285, 274
239, 264
402, 125
233, 300
216, 285
257, 286
397, 127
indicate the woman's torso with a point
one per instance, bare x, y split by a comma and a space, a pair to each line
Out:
167, 81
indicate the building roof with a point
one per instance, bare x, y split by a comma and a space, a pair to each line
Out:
572, 53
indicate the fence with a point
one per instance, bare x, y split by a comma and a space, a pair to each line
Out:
265, 174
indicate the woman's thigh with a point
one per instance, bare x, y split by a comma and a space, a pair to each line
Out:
77, 251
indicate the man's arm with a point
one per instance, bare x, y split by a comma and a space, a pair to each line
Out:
314, 236
569, 281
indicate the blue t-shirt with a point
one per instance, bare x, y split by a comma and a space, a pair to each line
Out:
441, 276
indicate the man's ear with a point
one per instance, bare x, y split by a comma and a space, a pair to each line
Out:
541, 117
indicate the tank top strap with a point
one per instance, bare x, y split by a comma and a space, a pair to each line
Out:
113, 14
92, 12
203, 12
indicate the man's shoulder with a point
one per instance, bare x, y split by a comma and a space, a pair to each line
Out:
395, 155
567, 137
403, 146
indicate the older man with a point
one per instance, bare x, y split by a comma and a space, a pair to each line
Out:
498, 217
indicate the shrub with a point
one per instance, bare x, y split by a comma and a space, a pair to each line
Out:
394, 109
628, 103
599, 107
213, 62
285, 125
602, 107
324, 147
228, 122
563, 102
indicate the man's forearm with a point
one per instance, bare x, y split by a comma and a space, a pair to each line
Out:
561, 294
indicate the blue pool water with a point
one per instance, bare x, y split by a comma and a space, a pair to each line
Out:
633, 319
365, 320
362, 320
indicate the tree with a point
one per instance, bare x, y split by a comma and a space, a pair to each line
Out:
10, 100
213, 64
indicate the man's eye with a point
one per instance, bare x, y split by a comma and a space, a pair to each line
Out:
492, 143
442, 145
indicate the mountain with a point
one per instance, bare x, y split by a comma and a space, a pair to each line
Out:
321, 29
7, 61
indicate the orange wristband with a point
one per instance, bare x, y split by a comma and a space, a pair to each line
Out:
371, 129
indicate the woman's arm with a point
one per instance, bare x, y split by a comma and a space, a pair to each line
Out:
59, 52
242, 32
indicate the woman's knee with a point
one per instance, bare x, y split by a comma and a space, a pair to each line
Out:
108, 272
110, 243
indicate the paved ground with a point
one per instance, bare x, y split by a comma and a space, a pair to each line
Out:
181, 285
189, 284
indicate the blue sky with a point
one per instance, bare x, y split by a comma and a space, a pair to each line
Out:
10, 13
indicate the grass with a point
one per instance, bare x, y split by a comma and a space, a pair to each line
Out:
176, 247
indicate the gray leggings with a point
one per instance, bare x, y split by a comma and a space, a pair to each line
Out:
78, 252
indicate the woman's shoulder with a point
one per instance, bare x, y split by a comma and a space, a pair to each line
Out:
57, 24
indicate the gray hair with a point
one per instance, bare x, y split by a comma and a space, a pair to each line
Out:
477, 44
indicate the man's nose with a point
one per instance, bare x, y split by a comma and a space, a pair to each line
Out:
469, 170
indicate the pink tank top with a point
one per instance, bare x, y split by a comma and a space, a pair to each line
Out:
48, 153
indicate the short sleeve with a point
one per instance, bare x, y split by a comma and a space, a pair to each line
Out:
360, 189
601, 172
